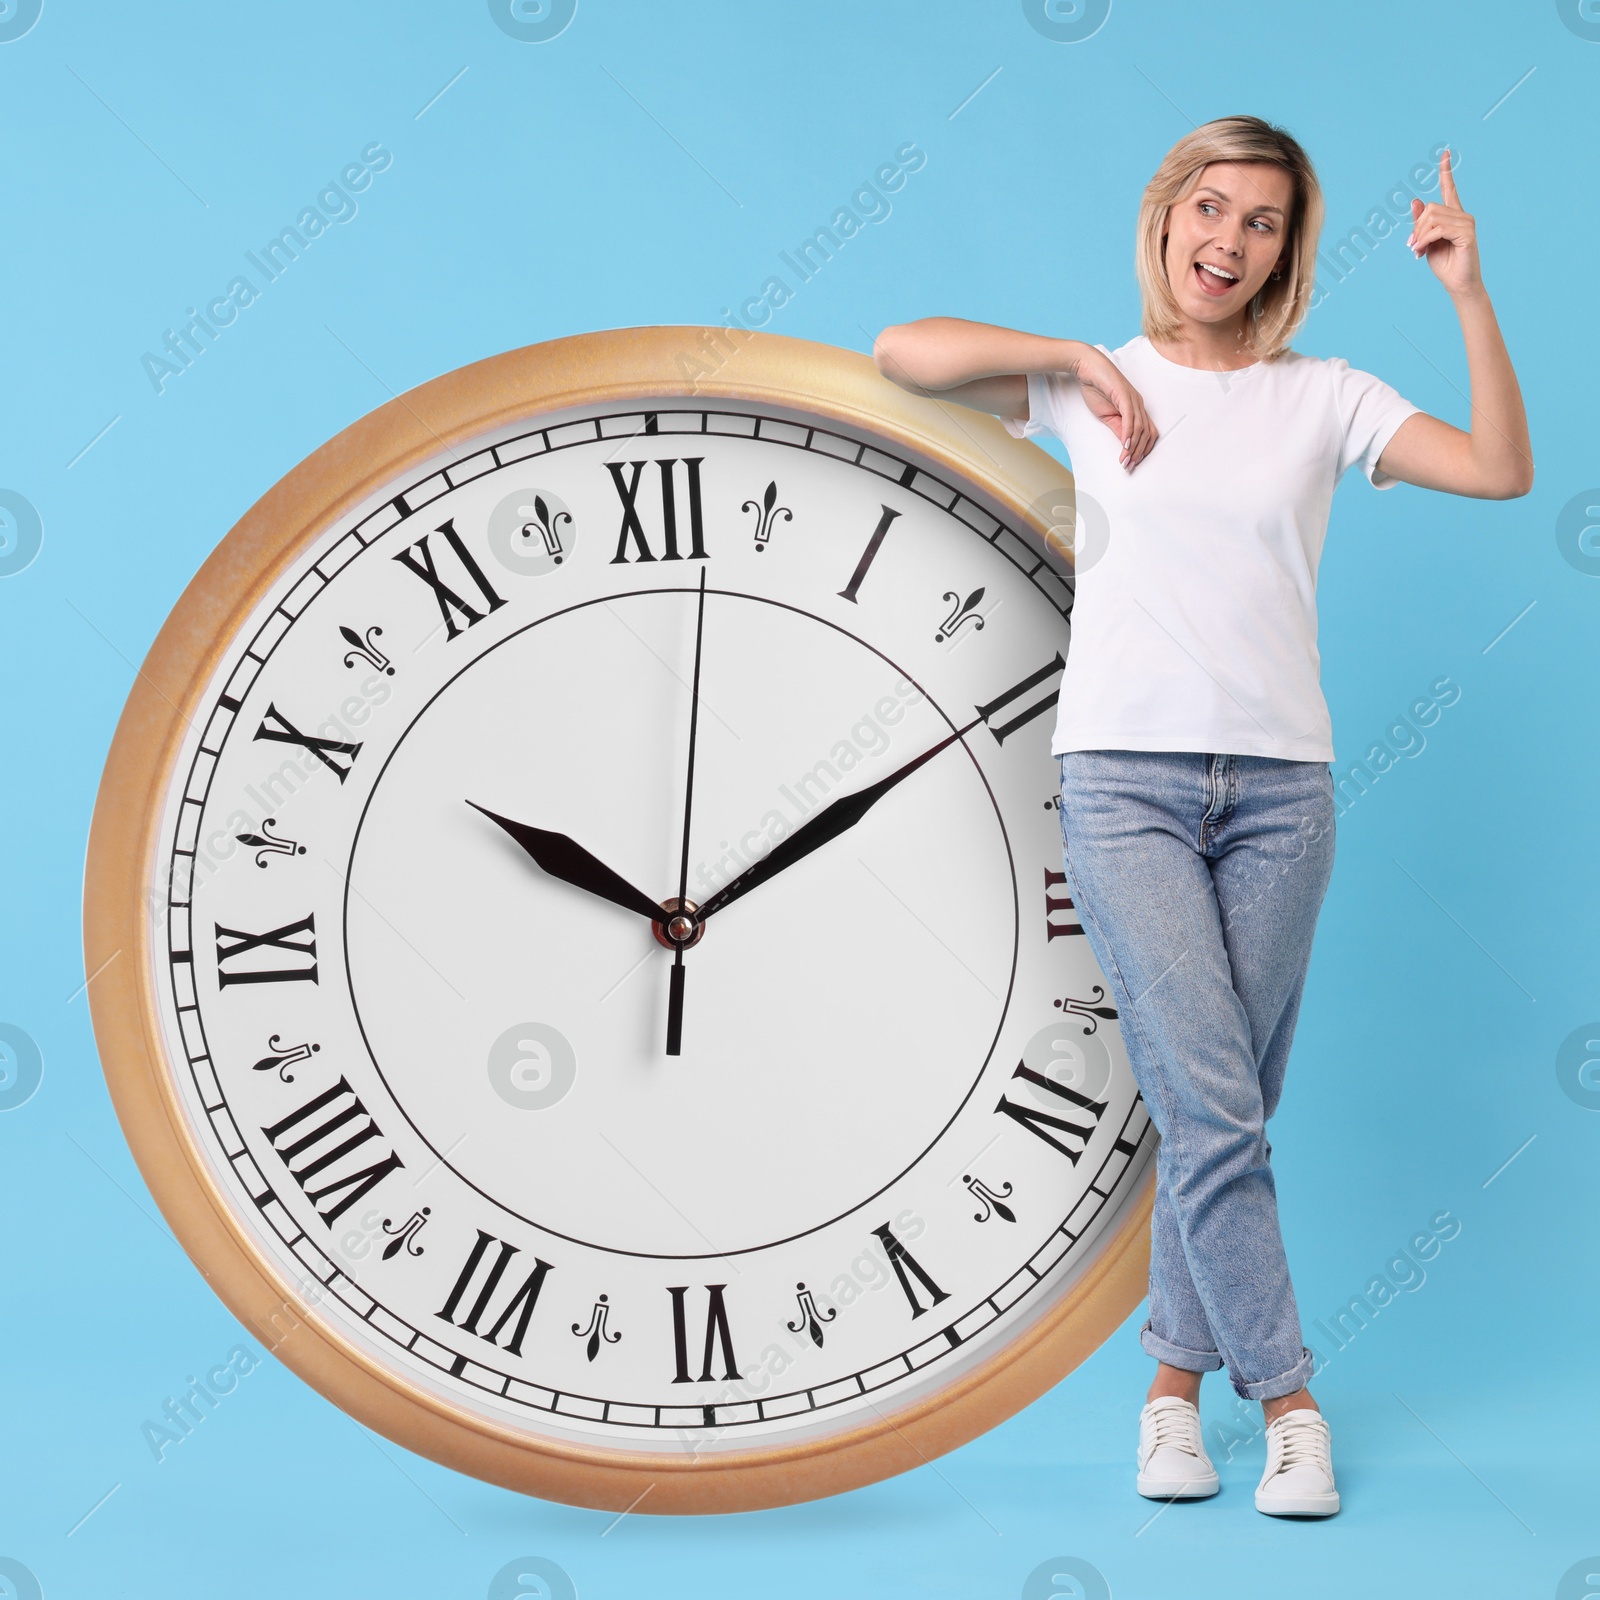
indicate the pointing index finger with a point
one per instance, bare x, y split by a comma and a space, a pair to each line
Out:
1447, 182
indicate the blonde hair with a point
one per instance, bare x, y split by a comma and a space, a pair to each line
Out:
1280, 305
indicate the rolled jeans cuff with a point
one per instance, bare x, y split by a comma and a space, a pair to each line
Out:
1275, 1388
1176, 1356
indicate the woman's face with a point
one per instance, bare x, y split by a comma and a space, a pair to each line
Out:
1227, 236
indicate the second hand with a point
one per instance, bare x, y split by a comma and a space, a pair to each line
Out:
675, 982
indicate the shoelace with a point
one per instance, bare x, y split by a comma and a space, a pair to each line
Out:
1177, 1426
1302, 1441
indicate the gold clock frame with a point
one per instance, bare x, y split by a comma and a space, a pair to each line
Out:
628, 364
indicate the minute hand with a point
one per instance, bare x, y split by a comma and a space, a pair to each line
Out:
828, 824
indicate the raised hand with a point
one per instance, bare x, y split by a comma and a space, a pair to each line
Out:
1447, 236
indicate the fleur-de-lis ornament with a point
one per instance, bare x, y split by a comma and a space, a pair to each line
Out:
267, 843
961, 611
546, 526
284, 1056
365, 650
1089, 1009
991, 1202
405, 1234
596, 1333
766, 513
810, 1318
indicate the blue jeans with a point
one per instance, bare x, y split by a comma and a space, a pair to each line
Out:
1198, 879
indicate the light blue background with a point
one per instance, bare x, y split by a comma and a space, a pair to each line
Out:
646, 166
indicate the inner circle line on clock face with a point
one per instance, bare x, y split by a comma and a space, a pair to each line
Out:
710, 1254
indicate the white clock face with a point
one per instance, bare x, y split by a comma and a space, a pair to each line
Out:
537, 1137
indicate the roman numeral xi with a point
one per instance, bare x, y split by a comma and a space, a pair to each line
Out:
419, 559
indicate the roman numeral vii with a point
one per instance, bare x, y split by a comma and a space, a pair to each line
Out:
520, 1305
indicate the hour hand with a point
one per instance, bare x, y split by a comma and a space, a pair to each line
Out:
566, 859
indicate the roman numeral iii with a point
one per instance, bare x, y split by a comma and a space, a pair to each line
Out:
419, 559
633, 527
1057, 902
520, 1305
335, 1112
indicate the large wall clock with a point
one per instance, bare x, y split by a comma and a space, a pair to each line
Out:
580, 951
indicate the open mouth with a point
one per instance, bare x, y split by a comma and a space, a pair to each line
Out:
1214, 281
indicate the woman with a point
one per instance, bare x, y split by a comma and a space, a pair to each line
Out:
1196, 796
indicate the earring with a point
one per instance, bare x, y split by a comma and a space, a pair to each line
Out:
1276, 274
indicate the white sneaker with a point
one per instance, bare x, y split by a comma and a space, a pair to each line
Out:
1173, 1464
1298, 1481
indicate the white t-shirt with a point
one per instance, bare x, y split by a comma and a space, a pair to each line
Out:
1195, 623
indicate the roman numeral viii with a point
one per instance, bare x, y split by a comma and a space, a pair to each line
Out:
418, 558
1041, 1122
335, 1114
300, 938
1018, 692
520, 1305
633, 527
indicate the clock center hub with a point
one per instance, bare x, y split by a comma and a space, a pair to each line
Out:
680, 929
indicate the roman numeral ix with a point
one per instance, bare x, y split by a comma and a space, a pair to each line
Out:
418, 558
632, 527
298, 937
520, 1305
334, 1112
